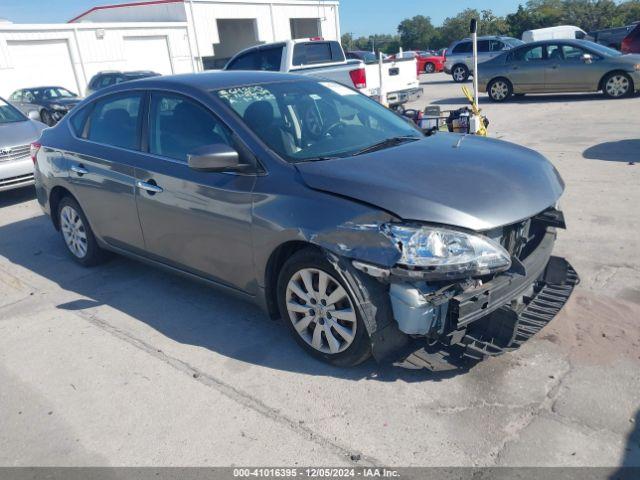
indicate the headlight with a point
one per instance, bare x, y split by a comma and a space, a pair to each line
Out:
637, 67
441, 253
58, 107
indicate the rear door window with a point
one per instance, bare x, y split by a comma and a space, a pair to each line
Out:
115, 121
483, 46
179, 125
309, 53
531, 54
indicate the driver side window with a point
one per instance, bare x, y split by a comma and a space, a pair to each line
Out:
179, 125
572, 54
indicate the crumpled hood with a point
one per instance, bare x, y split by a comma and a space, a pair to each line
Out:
466, 181
19, 133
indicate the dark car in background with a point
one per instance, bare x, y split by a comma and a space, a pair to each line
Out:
51, 103
555, 66
317, 203
106, 79
631, 43
364, 55
613, 37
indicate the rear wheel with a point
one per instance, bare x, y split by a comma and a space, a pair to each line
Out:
499, 89
617, 85
77, 234
460, 73
316, 304
429, 67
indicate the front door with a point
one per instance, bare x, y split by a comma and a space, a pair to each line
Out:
196, 221
568, 71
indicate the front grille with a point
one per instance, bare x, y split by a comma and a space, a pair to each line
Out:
8, 154
8, 182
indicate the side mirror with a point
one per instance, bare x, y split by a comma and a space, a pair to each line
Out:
587, 58
218, 157
33, 115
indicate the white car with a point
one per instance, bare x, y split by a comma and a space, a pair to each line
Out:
554, 33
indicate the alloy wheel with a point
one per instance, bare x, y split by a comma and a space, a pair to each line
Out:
73, 231
617, 86
429, 68
321, 311
499, 90
459, 74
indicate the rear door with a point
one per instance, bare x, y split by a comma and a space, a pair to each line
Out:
194, 221
101, 170
525, 68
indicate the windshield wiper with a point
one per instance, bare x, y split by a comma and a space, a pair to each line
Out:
386, 143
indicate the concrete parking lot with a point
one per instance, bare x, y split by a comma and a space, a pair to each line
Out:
127, 365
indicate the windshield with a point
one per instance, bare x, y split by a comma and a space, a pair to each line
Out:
10, 114
49, 93
601, 49
304, 121
513, 42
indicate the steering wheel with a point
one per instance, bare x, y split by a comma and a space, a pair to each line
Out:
312, 121
337, 126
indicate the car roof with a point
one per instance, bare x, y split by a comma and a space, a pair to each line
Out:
486, 37
570, 41
207, 81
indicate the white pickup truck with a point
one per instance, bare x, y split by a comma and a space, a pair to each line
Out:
326, 59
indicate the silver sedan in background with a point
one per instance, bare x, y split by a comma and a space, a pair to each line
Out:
17, 132
556, 66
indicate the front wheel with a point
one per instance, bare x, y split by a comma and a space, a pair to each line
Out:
429, 68
317, 306
617, 85
499, 90
460, 73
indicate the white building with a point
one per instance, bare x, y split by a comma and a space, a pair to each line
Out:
167, 36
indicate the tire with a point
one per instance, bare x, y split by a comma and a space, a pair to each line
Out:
342, 340
46, 118
499, 89
429, 68
617, 85
460, 73
77, 234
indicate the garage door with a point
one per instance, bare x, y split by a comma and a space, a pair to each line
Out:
147, 53
38, 63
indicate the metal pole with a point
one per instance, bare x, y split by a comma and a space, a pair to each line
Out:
474, 40
383, 94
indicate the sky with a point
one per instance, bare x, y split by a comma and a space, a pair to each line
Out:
360, 17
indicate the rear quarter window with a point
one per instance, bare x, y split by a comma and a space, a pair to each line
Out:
79, 120
463, 47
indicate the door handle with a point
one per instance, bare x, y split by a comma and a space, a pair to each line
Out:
150, 188
79, 169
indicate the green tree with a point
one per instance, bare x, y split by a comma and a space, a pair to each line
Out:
416, 33
347, 41
456, 28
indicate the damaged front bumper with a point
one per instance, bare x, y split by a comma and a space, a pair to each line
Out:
475, 319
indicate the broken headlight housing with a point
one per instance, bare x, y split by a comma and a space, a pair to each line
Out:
440, 253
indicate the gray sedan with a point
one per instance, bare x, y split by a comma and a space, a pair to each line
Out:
17, 132
318, 204
555, 66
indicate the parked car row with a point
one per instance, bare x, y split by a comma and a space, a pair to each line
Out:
554, 66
